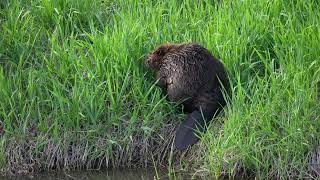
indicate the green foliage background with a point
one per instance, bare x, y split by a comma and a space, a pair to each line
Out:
71, 72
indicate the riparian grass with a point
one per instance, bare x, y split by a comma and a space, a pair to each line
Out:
74, 92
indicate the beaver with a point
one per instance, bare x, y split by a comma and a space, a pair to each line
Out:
190, 74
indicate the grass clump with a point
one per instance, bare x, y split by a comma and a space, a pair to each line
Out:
75, 94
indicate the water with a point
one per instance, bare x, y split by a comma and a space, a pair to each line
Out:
118, 174
124, 174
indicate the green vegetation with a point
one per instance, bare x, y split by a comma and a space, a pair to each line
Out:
74, 92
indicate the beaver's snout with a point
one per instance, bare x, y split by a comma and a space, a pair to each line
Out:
151, 61
147, 60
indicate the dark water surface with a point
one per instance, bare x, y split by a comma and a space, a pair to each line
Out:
117, 174
125, 174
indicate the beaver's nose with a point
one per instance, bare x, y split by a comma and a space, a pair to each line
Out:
147, 61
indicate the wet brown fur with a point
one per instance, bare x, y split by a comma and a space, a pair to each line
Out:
188, 72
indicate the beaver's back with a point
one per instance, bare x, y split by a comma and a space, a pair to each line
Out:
190, 70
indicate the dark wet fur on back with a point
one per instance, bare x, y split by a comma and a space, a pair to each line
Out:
188, 72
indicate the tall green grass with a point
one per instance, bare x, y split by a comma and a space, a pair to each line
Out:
74, 92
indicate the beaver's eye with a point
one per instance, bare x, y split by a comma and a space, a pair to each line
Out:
159, 53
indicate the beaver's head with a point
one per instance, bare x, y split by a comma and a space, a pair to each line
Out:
154, 58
